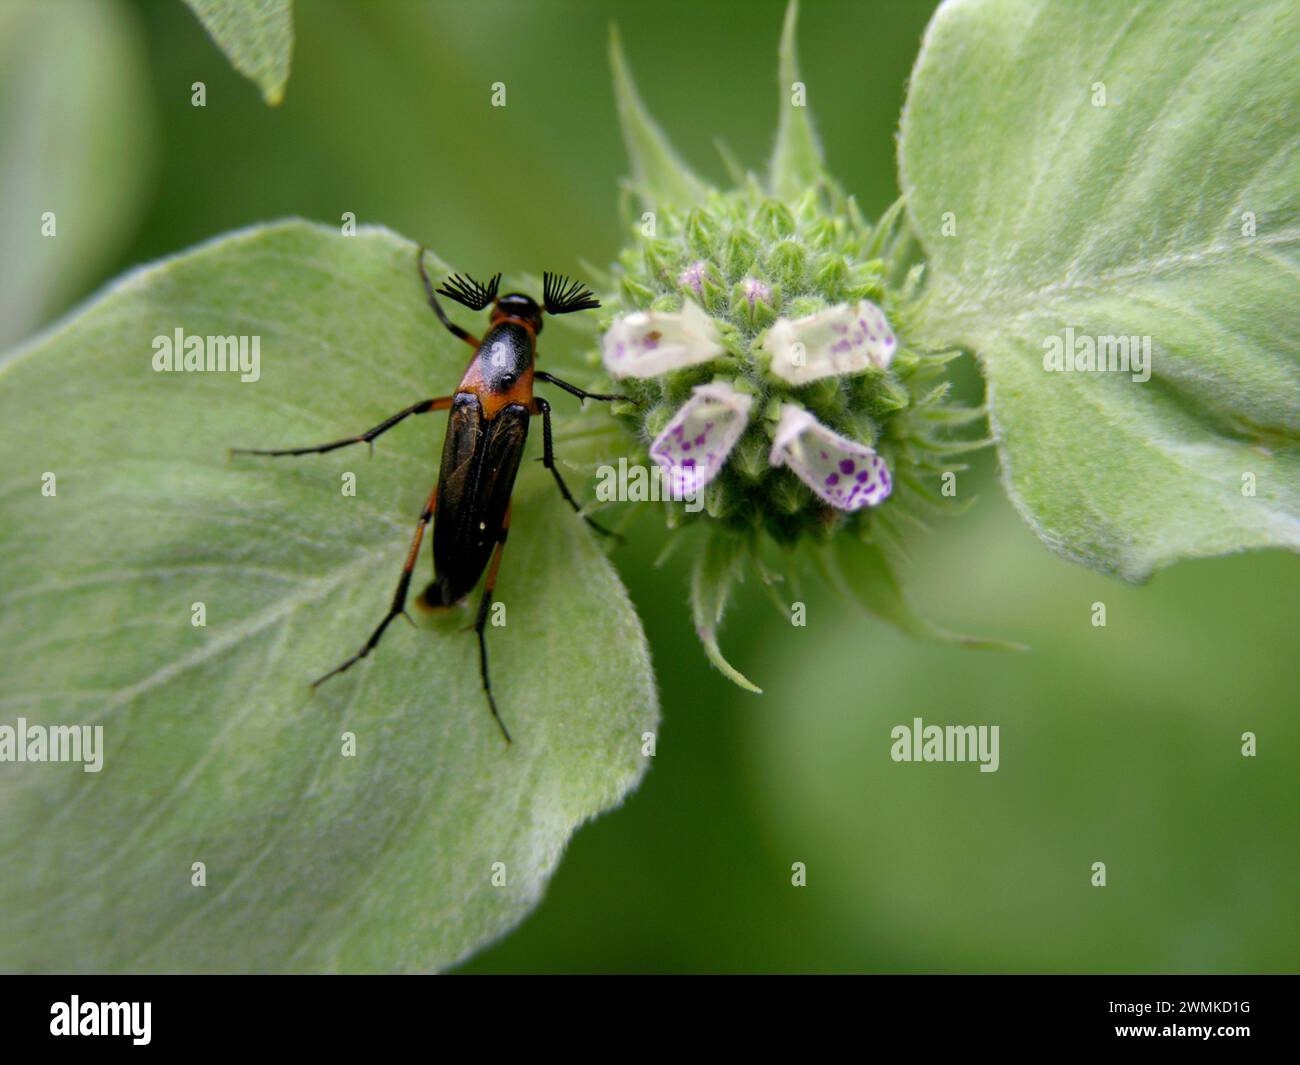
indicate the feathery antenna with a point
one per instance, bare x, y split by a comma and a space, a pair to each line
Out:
562, 296
468, 292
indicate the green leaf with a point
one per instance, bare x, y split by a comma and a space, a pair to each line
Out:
717, 568
658, 172
797, 161
216, 750
77, 145
1132, 218
257, 37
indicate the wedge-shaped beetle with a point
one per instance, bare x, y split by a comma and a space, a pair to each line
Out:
486, 433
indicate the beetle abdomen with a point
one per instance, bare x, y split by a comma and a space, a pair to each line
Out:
480, 460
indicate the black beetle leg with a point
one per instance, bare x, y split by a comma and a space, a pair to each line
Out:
480, 623
540, 406
452, 327
399, 597
574, 390
423, 407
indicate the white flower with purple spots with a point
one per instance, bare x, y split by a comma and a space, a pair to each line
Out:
846, 474
839, 340
694, 446
649, 343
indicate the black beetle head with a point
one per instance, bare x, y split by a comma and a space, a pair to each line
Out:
517, 305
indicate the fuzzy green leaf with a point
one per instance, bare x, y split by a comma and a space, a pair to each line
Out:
797, 161
215, 749
257, 37
658, 172
1132, 173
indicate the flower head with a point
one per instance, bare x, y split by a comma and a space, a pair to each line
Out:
762, 335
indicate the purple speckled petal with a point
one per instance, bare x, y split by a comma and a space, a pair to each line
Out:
844, 473
649, 343
844, 339
694, 446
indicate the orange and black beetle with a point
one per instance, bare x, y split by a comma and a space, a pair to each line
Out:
486, 433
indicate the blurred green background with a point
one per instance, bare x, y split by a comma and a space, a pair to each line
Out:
1120, 745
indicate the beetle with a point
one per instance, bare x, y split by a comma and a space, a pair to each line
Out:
487, 429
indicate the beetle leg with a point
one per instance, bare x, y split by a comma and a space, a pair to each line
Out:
574, 390
423, 407
399, 597
540, 406
452, 327
480, 623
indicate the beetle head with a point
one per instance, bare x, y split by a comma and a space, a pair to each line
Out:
517, 305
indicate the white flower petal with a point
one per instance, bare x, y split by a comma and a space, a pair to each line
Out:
846, 474
694, 446
649, 343
838, 340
